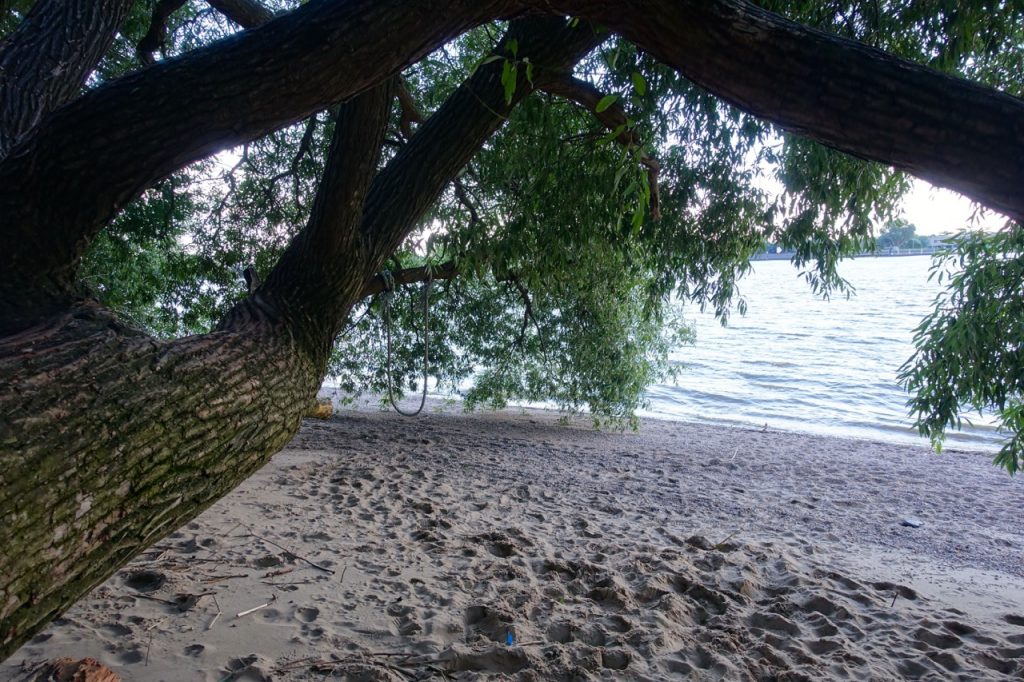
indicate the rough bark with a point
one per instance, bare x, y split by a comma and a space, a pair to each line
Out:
109, 440
121, 438
44, 63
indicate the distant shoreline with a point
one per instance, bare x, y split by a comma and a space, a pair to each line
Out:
788, 255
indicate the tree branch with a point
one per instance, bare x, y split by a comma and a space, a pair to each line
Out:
245, 13
614, 118
410, 114
103, 149
460, 127
839, 92
378, 283
156, 36
318, 278
47, 58
528, 316
462, 194
305, 144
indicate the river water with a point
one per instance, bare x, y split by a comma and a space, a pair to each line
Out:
797, 362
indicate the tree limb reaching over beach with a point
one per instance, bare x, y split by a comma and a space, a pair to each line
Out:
113, 435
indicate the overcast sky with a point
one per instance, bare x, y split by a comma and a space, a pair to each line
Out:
935, 210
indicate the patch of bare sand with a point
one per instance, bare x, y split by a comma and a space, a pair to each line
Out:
683, 551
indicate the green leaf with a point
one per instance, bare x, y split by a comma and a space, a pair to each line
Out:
612, 134
606, 102
639, 84
509, 75
513, 47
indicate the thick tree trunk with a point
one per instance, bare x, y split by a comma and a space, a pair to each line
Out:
109, 440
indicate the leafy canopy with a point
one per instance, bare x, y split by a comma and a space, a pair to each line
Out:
568, 278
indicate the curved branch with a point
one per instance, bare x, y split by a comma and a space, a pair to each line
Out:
156, 36
103, 149
839, 92
245, 13
614, 118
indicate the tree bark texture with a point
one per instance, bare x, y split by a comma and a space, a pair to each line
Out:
109, 440
102, 150
44, 63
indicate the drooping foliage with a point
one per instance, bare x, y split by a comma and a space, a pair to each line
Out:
571, 255
970, 348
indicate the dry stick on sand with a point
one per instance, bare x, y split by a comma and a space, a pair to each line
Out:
216, 616
290, 552
217, 578
256, 608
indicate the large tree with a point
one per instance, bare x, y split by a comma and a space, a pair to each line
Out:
111, 436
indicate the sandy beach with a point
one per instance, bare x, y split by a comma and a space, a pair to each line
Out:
514, 546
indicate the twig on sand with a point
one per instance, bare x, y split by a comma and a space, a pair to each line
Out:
895, 593
342, 578
256, 608
274, 574
149, 644
730, 536
217, 578
216, 616
290, 552
152, 598
305, 581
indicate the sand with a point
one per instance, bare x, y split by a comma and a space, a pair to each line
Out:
512, 546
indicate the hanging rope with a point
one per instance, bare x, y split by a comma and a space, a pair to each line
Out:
389, 286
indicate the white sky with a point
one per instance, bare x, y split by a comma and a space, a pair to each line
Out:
935, 210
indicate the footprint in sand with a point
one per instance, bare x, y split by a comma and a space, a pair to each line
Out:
267, 561
938, 640
307, 614
145, 581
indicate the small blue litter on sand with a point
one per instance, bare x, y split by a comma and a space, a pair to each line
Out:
510, 639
